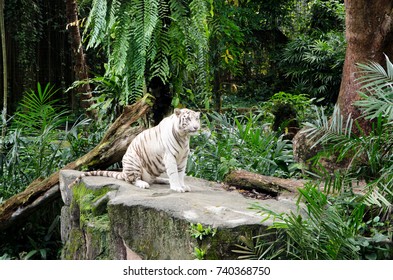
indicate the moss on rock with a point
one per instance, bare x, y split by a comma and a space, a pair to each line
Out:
89, 234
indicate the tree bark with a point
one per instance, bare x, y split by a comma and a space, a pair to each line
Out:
265, 184
80, 66
162, 99
110, 150
5, 76
369, 34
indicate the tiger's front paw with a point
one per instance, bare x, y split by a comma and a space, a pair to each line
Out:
179, 189
142, 184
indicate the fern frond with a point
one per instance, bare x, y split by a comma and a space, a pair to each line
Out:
167, 39
96, 23
160, 54
121, 40
177, 10
114, 8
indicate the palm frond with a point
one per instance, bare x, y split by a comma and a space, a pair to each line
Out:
335, 130
374, 76
378, 83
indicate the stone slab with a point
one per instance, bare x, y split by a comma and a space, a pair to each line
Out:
155, 223
207, 203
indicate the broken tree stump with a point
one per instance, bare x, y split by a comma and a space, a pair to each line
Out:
110, 150
265, 184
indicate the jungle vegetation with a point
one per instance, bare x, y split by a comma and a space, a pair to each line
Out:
259, 70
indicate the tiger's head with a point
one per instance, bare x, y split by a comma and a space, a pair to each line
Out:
189, 122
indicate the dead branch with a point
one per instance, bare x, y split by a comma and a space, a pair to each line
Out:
110, 150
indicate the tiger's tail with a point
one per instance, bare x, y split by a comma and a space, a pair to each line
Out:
103, 173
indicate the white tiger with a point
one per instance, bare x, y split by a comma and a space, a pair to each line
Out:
163, 148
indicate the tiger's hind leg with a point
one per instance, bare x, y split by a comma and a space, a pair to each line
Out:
142, 184
134, 179
137, 182
133, 176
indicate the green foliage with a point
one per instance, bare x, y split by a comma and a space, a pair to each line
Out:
377, 80
315, 16
107, 100
244, 46
331, 228
38, 239
242, 142
286, 110
39, 110
89, 203
327, 15
300, 102
25, 24
5, 257
314, 64
40, 141
369, 156
339, 223
199, 232
148, 39
42, 247
199, 253
313, 58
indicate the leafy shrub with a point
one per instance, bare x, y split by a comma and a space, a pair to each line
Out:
342, 224
40, 140
242, 142
370, 156
331, 228
287, 111
327, 15
314, 64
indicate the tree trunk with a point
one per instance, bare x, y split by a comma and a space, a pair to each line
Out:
162, 99
265, 184
110, 150
5, 86
369, 34
80, 66
5, 76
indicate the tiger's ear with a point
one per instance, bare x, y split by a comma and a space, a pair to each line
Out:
177, 111
198, 114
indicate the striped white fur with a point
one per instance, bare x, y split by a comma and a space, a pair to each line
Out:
163, 148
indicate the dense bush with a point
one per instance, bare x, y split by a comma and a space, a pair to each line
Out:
339, 223
314, 64
239, 142
42, 138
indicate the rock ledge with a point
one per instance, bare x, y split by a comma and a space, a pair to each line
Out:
105, 218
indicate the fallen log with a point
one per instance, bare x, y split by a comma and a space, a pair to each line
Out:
265, 184
110, 150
